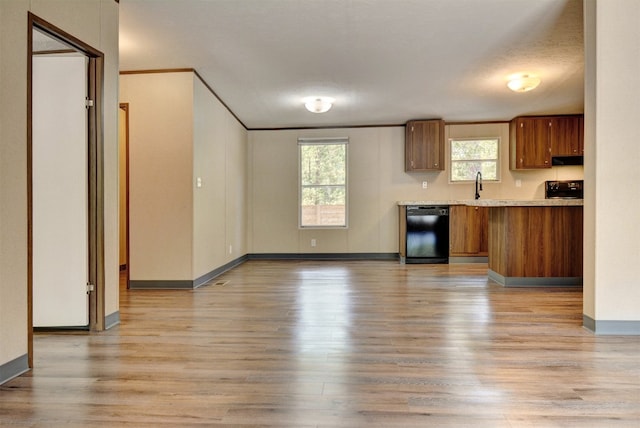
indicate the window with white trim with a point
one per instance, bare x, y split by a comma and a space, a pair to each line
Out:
323, 182
472, 155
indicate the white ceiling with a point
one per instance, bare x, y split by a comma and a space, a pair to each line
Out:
384, 61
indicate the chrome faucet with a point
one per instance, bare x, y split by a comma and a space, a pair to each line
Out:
478, 184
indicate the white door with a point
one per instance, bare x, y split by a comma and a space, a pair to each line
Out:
60, 191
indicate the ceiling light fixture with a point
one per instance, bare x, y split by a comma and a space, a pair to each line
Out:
318, 104
523, 82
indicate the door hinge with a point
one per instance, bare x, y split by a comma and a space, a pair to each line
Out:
88, 102
90, 287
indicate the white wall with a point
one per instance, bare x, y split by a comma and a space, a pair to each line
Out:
96, 23
209, 166
109, 28
160, 177
236, 187
219, 206
377, 181
179, 132
589, 250
612, 229
13, 176
273, 172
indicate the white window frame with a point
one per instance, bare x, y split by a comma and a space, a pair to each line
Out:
327, 141
498, 160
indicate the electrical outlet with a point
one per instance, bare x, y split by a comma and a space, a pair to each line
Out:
230, 249
313, 242
518, 183
424, 184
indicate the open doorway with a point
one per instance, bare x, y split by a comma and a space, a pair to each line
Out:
64, 181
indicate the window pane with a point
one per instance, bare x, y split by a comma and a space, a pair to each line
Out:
474, 149
467, 170
468, 156
323, 206
323, 177
323, 164
464, 170
489, 170
323, 195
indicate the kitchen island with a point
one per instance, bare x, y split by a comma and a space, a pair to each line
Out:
531, 242
534, 242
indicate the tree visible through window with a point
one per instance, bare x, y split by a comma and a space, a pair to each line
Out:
468, 156
323, 182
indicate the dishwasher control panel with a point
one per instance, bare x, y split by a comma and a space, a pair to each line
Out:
427, 210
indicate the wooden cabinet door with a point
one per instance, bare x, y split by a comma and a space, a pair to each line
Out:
424, 145
468, 231
566, 135
483, 220
415, 150
581, 144
458, 230
532, 143
403, 232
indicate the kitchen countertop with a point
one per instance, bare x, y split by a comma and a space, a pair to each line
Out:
451, 202
525, 202
501, 202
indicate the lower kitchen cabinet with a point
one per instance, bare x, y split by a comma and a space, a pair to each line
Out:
468, 231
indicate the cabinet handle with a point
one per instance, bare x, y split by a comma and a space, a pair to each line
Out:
435, 164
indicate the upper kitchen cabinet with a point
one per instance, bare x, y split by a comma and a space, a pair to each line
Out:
535, 140
424, 145
530, 145
567, 136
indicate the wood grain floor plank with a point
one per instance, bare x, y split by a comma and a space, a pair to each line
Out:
335, 344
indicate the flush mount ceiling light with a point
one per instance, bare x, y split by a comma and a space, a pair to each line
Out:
318, 104
523, 82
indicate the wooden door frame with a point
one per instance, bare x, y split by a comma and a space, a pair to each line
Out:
95, 179
125, 107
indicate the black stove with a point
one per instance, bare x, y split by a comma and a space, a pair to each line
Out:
564, 189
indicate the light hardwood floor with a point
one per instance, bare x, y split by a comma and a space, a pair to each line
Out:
349, 344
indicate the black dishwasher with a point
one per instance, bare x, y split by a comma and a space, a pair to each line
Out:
427, 234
